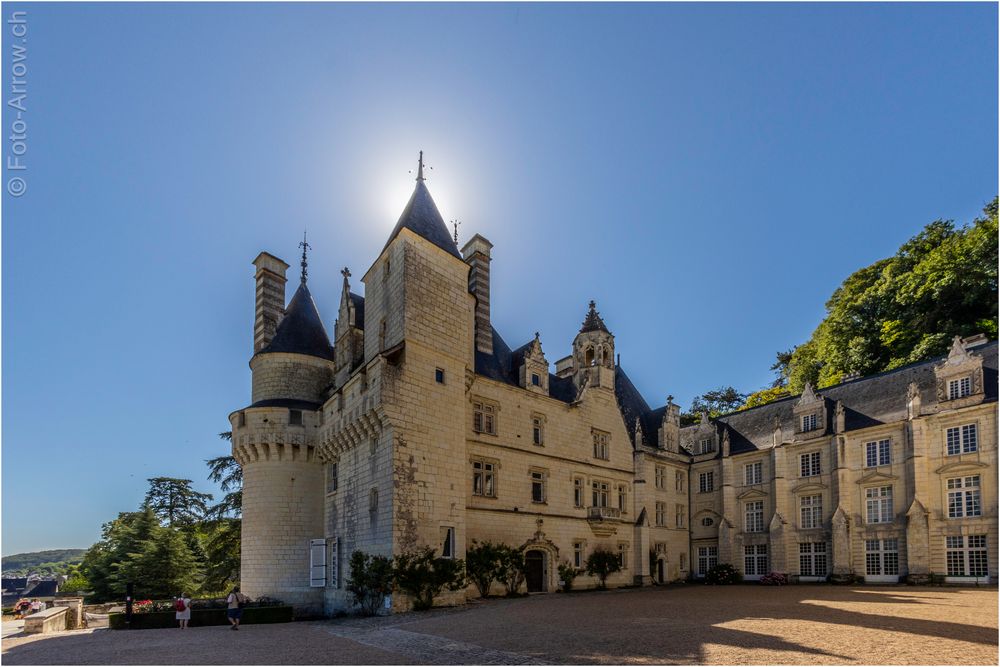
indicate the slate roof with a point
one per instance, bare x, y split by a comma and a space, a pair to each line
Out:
503, 365
14, 583
301, 330
43, 589
359, 310
868, 401
290, 403
421, 216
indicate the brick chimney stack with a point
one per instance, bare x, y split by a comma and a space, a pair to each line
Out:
270, 301
476, 254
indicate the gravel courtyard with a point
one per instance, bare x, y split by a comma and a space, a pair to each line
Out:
677, 624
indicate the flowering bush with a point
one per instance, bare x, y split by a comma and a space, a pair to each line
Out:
774, 579
722, 574
142, 606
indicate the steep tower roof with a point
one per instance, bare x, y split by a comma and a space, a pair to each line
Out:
421, 217
593, 321
301, 330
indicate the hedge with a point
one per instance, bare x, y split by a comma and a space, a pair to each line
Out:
200, 617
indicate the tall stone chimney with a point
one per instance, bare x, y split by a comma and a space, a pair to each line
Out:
476, 254
270, 302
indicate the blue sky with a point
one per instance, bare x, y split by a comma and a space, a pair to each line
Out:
708, 173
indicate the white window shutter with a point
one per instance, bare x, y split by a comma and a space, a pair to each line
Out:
317, 563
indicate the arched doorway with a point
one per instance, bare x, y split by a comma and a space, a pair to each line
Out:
534, 571
659, 571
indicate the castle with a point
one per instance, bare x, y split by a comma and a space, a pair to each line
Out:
419, 425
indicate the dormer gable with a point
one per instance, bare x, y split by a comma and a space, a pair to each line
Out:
810, 414
704, 439
959, 377
670, 427
533, 370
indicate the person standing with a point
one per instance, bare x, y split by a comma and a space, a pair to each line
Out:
182, 607
36, 606
234, 604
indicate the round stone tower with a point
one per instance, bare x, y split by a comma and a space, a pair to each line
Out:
274, 440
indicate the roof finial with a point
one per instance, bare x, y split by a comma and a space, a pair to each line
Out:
455, 224
346, 272
305, 262
420, 167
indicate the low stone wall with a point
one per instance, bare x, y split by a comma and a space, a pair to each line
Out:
74, 619
52, 619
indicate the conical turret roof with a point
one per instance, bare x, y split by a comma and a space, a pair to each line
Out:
421, 216
301, 330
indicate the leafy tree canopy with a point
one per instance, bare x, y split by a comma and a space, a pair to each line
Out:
175, 502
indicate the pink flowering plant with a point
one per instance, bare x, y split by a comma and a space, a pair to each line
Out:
774, 579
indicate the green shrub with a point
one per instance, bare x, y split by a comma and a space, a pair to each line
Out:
423, 576
567, 573
482, 565
201, 617
602, 563
510, 568
370, 581
722, 574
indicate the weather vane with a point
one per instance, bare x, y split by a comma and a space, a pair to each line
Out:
305, 262
455, 224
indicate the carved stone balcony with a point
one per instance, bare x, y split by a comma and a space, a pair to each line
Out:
603, 521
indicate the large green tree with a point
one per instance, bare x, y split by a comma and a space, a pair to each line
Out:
162, 566
175, 502
906, 308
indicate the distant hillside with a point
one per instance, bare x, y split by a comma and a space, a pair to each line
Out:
52, 561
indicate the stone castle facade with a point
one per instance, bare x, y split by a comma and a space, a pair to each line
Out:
418, 425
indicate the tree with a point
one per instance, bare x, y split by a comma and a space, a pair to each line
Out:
370, 581
221, 539
423, 576
765, 396
906, 308
718, 401
163, 566
510, 568
228, 474
482, 564
102, 562
175, 502
76, 582
602, 563
567, 573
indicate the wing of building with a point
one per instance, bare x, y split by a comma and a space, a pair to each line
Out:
419, 425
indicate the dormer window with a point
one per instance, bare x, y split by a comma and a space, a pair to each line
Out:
536, 380
705, 446
809, 422
959, 388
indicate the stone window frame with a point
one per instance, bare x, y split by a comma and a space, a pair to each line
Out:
600, 488
959, 551
579, 554
882, 557
706, 481
623, 548
748, 479
959, 387
813, 509
808, 422
373, 500
295, 418
439, 375
661, 514
539, 476
602, 444
755, 560
964, 496
753, 516
660, 477
334, 467
874, 451
811, 558
680, 481
680, 515
707, 558
538, 429
879, 504
484, 416
960, 440
491, 474
536, 380
579, 491
447, 538
813, 467
623, 494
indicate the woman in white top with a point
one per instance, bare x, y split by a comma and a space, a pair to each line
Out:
183, 616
